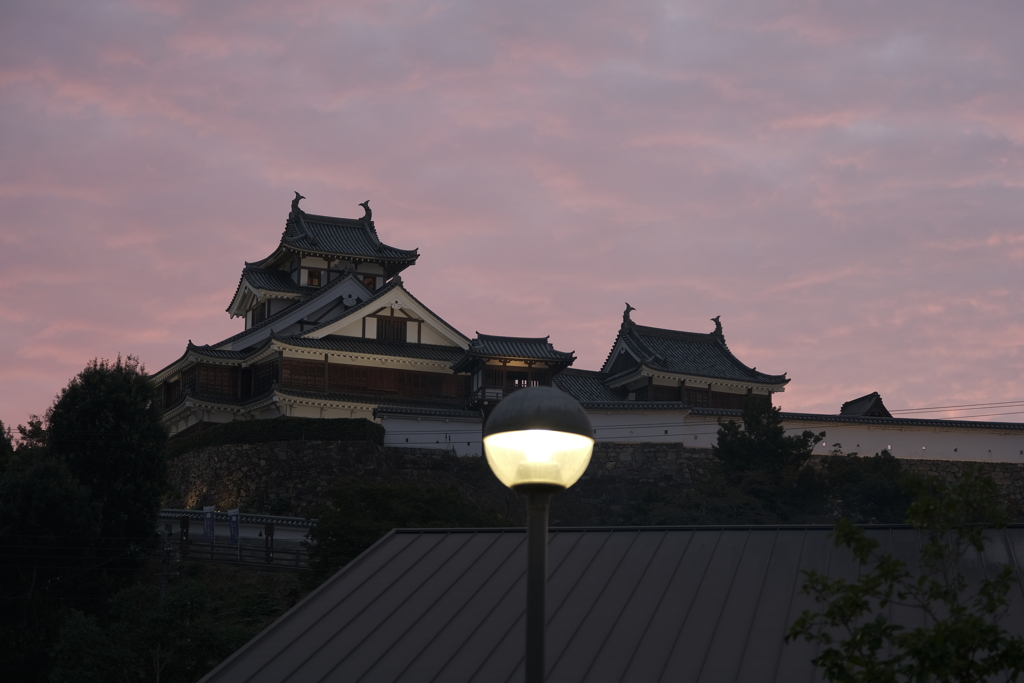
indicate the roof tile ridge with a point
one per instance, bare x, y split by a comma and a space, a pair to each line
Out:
677, 334
501, 337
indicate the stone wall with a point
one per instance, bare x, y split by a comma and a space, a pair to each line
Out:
292, 477
1009, 476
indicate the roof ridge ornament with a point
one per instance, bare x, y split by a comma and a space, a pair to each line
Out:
367, 220
295, 204
625, 314
718, 327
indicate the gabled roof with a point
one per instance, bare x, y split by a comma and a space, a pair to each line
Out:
513, 348
865, 406
686, 353
395, 283
623, 604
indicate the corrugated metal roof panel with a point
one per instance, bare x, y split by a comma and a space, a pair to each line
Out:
642, 604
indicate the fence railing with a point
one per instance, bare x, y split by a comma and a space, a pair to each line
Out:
252, 554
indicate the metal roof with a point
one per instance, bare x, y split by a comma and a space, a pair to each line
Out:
640, 604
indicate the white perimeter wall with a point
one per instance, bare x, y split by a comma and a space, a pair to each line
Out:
931, 443
409, 432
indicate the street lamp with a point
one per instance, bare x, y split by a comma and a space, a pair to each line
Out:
538, 442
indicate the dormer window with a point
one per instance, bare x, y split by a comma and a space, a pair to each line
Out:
313, 278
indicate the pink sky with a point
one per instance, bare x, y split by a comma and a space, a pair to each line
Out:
842, 182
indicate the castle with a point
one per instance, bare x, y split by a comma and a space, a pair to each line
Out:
331, 331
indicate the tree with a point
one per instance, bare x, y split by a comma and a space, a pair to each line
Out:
49, 532
106, 426
6, 447
766, 467
963, 641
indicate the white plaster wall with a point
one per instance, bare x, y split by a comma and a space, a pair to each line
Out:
638, 425
353, 329
405, 432
965, 444
431, 336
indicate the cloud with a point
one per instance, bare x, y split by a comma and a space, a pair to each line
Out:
843, 184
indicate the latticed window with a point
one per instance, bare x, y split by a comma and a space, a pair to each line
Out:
313, 278
218, 380
390, 329
659, 393
188, 379
698, 398
263, 377
302, 374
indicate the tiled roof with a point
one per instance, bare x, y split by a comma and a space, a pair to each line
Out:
340, 237
690, 353
585, 386
210, 352
880, 421
627, 604
529, 348
518, 348
395, 282
333, 342
317, 294
274, 281
870, 405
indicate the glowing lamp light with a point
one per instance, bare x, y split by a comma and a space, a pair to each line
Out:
538, 437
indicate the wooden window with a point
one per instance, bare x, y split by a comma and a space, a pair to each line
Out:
493, 377
659, 393
313, 278
358, 378
698, 398
188, 379
390, 329
370, 282
263, 377
302, 374
724, 400
218, 380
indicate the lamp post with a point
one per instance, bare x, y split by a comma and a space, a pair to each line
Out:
538, 442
